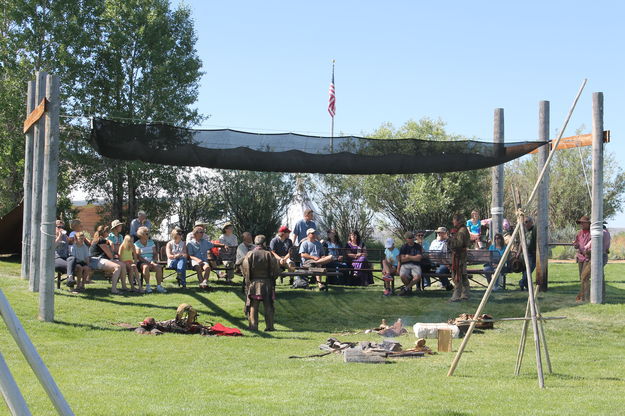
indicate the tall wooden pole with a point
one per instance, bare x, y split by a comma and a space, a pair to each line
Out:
33, 358
506, 252
596, 225
50, 174
28, 184
11, 392
497, 182
542, 217
530, 292
35, 217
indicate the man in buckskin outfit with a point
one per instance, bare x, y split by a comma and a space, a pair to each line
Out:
459, 243
260, 269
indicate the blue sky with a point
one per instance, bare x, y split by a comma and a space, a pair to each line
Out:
268, 64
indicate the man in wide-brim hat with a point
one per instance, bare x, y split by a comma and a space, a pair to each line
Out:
581, 240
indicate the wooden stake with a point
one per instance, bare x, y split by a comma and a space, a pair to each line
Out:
35, 216
504, 257
530, 291
596, 226
50, 173
496, 208
542, 217
28, 185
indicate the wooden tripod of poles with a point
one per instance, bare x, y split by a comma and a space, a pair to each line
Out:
532, 309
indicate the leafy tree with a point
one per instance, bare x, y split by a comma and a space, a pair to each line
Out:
255, 201
131, 59
145, 67
197, 200
428, 200
569, 197
50, 36
342, 205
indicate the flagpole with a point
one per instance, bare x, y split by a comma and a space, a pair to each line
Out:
332, 125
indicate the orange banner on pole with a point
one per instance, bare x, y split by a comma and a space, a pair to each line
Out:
35, 115
577, 141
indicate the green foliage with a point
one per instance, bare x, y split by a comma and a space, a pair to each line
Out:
568, 193
255, 201
429, 200
341, 204
130, 59
145, 67
196, 200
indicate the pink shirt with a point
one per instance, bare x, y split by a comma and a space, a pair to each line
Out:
581, 240
607, 240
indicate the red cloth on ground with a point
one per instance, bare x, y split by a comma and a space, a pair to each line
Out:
219, 329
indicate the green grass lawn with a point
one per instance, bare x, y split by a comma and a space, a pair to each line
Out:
105, 370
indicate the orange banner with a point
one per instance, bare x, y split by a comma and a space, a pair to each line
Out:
35, 115
577, 141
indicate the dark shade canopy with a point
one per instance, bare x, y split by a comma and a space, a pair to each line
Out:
289, 152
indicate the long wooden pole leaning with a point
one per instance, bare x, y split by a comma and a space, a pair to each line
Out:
521, 350
482, 304
530, 291
541, 328
506, 253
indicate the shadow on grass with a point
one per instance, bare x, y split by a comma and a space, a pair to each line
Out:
104, 295
92, 327
577, 377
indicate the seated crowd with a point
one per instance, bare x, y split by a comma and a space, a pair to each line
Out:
131, 259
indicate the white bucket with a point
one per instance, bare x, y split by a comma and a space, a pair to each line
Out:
430, 330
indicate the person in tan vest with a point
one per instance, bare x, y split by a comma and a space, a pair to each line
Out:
260, 269
459, 243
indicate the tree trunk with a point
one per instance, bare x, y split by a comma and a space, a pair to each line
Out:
118, 194
132, 194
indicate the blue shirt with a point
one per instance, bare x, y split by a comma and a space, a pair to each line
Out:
314, 248
199, 250
391, 255
474, 228
147, 250
300, 230
334, 249
135, 224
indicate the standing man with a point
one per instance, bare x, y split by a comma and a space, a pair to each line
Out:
280, 246
530, 241
140, 221
410, 255
582, 239
260, 269
459, 243
301, 227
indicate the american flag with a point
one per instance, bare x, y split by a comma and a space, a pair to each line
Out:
332, 101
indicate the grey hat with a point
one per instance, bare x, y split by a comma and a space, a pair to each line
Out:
408, 234
441, 230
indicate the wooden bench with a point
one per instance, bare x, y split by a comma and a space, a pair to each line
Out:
474, 258
374, 258
216, 262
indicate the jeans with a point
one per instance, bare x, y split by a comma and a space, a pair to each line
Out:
443, 270
491, 268
523, 281
180, 266
65, 266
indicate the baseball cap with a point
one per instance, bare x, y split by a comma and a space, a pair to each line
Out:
284, 229
389, 243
